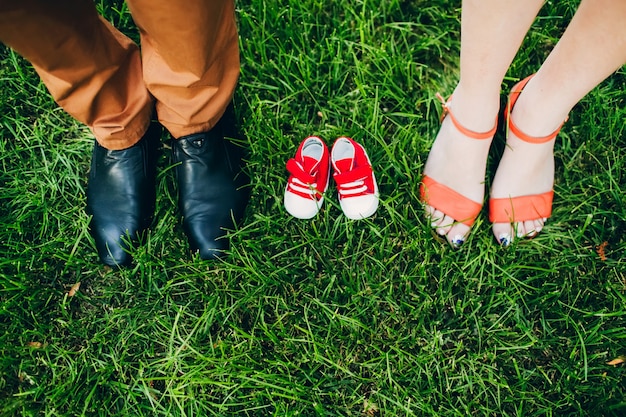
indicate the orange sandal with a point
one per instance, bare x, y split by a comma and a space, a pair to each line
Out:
444, 198
527, 207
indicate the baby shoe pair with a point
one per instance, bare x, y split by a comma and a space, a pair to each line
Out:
310, 175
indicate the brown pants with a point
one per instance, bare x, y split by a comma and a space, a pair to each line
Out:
189, 62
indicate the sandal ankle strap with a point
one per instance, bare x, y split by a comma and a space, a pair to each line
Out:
470, 133
512, 127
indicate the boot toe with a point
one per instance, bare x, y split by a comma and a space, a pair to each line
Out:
206, 237
112, 243
121, 196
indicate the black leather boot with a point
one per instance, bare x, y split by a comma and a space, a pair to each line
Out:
121, 196
211, 189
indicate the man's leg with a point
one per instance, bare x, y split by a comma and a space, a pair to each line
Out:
91, 69
94, 73
191, 66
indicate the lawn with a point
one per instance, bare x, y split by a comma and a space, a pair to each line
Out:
328, 317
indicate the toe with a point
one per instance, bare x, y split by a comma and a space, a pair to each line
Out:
443, 230
457, 234
521, 230
528, 229
444, 226
503, 233
439, 221
435, 216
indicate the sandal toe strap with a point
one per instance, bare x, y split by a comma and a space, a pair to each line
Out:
519, 209
445, 199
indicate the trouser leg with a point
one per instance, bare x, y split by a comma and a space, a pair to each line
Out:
91, 69
190, 60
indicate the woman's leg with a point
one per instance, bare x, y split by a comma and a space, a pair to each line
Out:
491, 33
592, 47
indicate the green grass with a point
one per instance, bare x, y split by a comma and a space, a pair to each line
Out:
324, 317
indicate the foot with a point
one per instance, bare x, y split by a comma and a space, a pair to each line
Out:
210, 190
121, 196
526, 168
458, 161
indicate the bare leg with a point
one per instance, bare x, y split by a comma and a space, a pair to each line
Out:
491, 33
592, 47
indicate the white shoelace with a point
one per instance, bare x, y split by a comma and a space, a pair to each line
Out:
303, 187
350, 188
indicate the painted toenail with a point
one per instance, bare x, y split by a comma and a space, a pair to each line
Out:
504, 239
457, 241
441, 232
